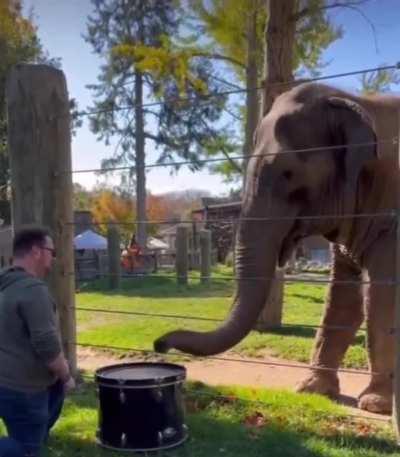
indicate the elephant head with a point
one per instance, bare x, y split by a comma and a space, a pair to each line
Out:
309, 152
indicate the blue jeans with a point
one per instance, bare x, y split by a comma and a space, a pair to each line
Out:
28, 418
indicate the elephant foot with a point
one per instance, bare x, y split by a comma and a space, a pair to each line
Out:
376, 399
320, 383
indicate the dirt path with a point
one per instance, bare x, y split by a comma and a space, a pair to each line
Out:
219, 372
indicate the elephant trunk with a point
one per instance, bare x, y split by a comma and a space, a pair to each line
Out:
254, 272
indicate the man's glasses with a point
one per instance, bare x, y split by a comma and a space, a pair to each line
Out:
52, 250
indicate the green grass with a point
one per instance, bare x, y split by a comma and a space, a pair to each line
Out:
280, 424
223, 421
161, 295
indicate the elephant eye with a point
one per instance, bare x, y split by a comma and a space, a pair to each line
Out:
287, 174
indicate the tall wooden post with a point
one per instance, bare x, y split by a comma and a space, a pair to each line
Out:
396, 377
205, 255
252, 70
182, 254
271, 315
114, 256
279, 45
40, 151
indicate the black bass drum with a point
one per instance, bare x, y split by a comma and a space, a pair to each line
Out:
141, 406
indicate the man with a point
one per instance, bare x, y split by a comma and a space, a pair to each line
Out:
34, 374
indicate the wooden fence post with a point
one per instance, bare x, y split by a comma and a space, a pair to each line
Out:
396, 376
114, 256
39, 141
205, 255
182, 254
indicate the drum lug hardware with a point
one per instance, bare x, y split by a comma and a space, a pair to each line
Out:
168, 433
160, 438
123, 440
158, 395
122, 397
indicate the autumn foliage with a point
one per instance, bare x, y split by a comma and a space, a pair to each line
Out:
108, 206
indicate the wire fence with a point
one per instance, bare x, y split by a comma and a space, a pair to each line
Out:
209, 319
303, 367
231, 399
244, 361
208, 96
389, 213
393, 141
259, 278
237, 91
233, 220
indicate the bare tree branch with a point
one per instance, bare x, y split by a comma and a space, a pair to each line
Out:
217, 56
234, 115
123, 137
223, 151
344, 4
234, 164
157, 139
370, 23
351, 5
228, 83
153, 113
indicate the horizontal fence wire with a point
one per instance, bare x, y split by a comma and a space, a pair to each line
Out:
205, 97
392, 141
387, 214
253, 278
209, 319
233, 398
244, 361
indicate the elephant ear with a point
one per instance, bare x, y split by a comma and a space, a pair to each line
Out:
351, 126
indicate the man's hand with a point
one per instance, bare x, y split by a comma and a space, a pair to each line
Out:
59, 366
69, 385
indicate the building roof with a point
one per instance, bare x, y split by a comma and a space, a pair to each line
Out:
218, 206
171, 230
90, 240
156, 244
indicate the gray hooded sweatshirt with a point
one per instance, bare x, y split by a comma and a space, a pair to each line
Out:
29, 333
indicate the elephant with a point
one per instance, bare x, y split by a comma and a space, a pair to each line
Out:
325, 163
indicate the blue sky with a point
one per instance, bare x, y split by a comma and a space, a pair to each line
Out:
61, 24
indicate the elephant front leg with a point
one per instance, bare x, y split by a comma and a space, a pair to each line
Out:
343, 316
380, 310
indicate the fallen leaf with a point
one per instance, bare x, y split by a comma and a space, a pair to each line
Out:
256, 420
364, 429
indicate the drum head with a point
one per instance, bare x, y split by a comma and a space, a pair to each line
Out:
141, 373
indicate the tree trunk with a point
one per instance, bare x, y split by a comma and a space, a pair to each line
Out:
278, 68
39, 139
252, 99
140, 163
279, 37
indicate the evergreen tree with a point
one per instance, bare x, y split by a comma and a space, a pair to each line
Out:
379, 81
142, 65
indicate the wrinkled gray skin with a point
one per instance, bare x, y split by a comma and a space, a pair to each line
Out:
347, 174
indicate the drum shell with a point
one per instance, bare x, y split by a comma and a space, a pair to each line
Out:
141, 415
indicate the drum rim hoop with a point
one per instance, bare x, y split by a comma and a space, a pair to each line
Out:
121, 386
159, 448
157, 382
